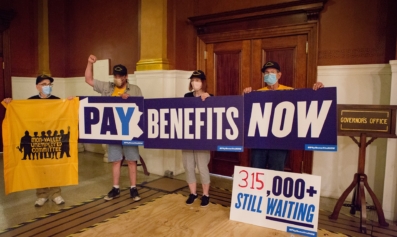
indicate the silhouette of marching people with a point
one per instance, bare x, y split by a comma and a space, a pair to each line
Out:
25, 146
65, 143
44, 144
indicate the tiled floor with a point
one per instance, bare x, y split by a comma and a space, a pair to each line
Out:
95, 180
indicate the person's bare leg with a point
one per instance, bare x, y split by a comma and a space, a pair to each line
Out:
206, 189
192, 188
132, 172
116, 172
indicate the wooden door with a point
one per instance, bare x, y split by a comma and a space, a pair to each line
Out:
232, 66
290, 53
227, 66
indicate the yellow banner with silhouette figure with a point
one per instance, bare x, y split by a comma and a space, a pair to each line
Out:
40, 144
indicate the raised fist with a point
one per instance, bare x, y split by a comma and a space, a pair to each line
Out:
91, 59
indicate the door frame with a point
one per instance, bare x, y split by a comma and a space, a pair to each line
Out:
5, 67
309, 29
5, 20
275, 20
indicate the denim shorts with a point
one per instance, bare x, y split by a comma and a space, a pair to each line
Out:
116, 152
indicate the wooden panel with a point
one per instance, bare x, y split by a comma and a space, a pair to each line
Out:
23, 32
285, 58
181, 43
227, 74
276, 36
211, 7
2, 96
344, 37
253, 24
110, 32
57, 42
228, 66
290, 53
5, 72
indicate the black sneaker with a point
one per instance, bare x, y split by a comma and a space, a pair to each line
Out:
205, 200
191, 199
134, 194
114, 193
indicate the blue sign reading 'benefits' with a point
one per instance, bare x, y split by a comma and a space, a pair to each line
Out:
190, 123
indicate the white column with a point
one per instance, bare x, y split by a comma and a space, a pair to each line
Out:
389, 203
162, 84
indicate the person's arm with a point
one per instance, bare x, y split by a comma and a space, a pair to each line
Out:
247, 90
7, 100
205, 96
89, 78
318, 85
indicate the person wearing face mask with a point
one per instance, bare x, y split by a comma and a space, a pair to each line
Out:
119, 87
199, 158
273, 159
44, 87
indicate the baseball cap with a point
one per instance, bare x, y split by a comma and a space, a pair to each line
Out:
198, 74
120, 70
44, 77
270, 64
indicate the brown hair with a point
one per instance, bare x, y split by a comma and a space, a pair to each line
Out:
203, 85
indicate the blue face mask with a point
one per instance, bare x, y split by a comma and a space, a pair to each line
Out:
46, 90
270, 79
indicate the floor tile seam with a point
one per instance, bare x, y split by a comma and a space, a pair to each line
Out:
115, 216
62, 211
79, 223
351, 228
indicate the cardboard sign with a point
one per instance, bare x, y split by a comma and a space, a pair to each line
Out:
190, 123
278, 200
111, 120
292, 120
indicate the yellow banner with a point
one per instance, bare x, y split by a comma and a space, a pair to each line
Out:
40, 144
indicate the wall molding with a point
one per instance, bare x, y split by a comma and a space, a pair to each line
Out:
378, 69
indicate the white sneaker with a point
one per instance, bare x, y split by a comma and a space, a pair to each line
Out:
58, 200
40, 202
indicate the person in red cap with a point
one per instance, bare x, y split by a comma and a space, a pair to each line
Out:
273, 159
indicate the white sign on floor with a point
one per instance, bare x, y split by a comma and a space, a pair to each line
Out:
278, 200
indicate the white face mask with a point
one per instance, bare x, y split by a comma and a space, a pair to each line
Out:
117, 82
196, 85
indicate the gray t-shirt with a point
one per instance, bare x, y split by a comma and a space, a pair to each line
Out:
106, 88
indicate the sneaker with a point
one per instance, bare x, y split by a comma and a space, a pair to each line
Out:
134, 194
58, 200
40, 202
114, 193
205, 200
191, 199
